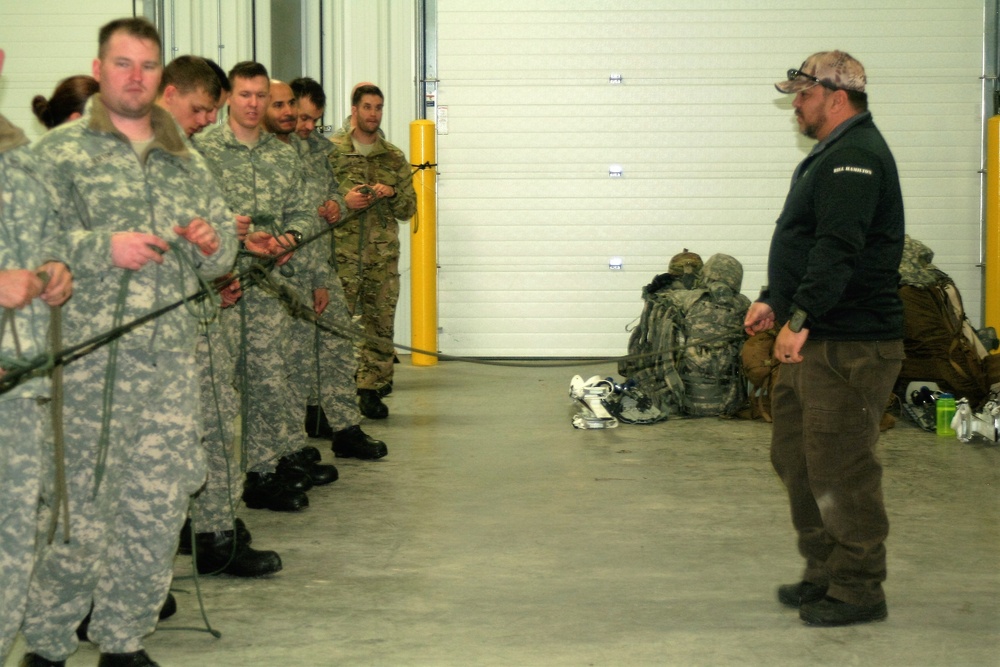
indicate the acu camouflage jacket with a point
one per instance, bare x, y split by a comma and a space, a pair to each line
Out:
102, 187
264, 181
28, 239
320, 186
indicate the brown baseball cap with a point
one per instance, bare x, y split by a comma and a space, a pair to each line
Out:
833, 69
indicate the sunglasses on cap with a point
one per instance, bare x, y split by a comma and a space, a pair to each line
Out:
796, 73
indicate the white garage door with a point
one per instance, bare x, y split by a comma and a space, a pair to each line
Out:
529, 216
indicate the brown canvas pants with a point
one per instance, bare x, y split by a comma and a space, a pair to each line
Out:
826, 425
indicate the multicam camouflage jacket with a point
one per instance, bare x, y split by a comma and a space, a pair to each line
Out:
102, 187
385, 164
264, 182
28, 239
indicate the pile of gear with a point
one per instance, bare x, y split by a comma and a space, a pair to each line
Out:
684, 355
944, 352
688, 356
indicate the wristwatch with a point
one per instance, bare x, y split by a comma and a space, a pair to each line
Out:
798, 319
296, 236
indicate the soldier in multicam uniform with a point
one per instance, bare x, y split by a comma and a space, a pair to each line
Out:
371, 172
262, 177
329, 388
27, 232
348, 125
191, 91
143, 221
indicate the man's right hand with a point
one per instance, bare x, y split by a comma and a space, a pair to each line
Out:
760, 317
360, 196
229, 290
18, 287
133, 250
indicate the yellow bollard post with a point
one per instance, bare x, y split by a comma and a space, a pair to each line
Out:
423, 245
991, 288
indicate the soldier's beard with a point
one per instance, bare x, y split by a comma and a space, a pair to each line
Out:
276, 129
129, 109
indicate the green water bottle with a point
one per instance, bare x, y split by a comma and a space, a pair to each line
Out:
945, 413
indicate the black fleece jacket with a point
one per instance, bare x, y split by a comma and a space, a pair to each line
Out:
837, 244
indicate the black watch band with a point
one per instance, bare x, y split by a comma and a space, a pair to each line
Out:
798, 320
296, 236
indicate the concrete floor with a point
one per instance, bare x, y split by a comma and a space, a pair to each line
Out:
496, 534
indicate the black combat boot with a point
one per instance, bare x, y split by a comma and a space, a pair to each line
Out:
371, 404
299, 463
184, 546
310, 453
268, 491
293, 477
220, 553
317, 425
804, 592
133, 659
35, 660
355, 443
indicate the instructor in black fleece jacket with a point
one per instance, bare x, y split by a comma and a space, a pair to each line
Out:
832, 285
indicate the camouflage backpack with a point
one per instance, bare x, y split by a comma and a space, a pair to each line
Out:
689, 339
940, 342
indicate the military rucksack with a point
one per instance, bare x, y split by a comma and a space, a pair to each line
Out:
685, 351
940, 343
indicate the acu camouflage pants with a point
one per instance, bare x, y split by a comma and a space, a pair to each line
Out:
213, 507
25, 434
124, 532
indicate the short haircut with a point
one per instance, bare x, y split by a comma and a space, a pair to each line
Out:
221, 74
361, 91
136, 27
248, 69
310, 89
188, 74
69, 97
858, 100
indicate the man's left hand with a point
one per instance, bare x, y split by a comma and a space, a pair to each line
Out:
263, 244
788, 345
60, 285
330, 211
201, 234
243, 226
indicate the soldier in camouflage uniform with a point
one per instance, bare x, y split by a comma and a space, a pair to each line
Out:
143, 221
329, 390
373, 173
307, 292
315, 276
262, 177
27, 232
348, 125
191, 91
